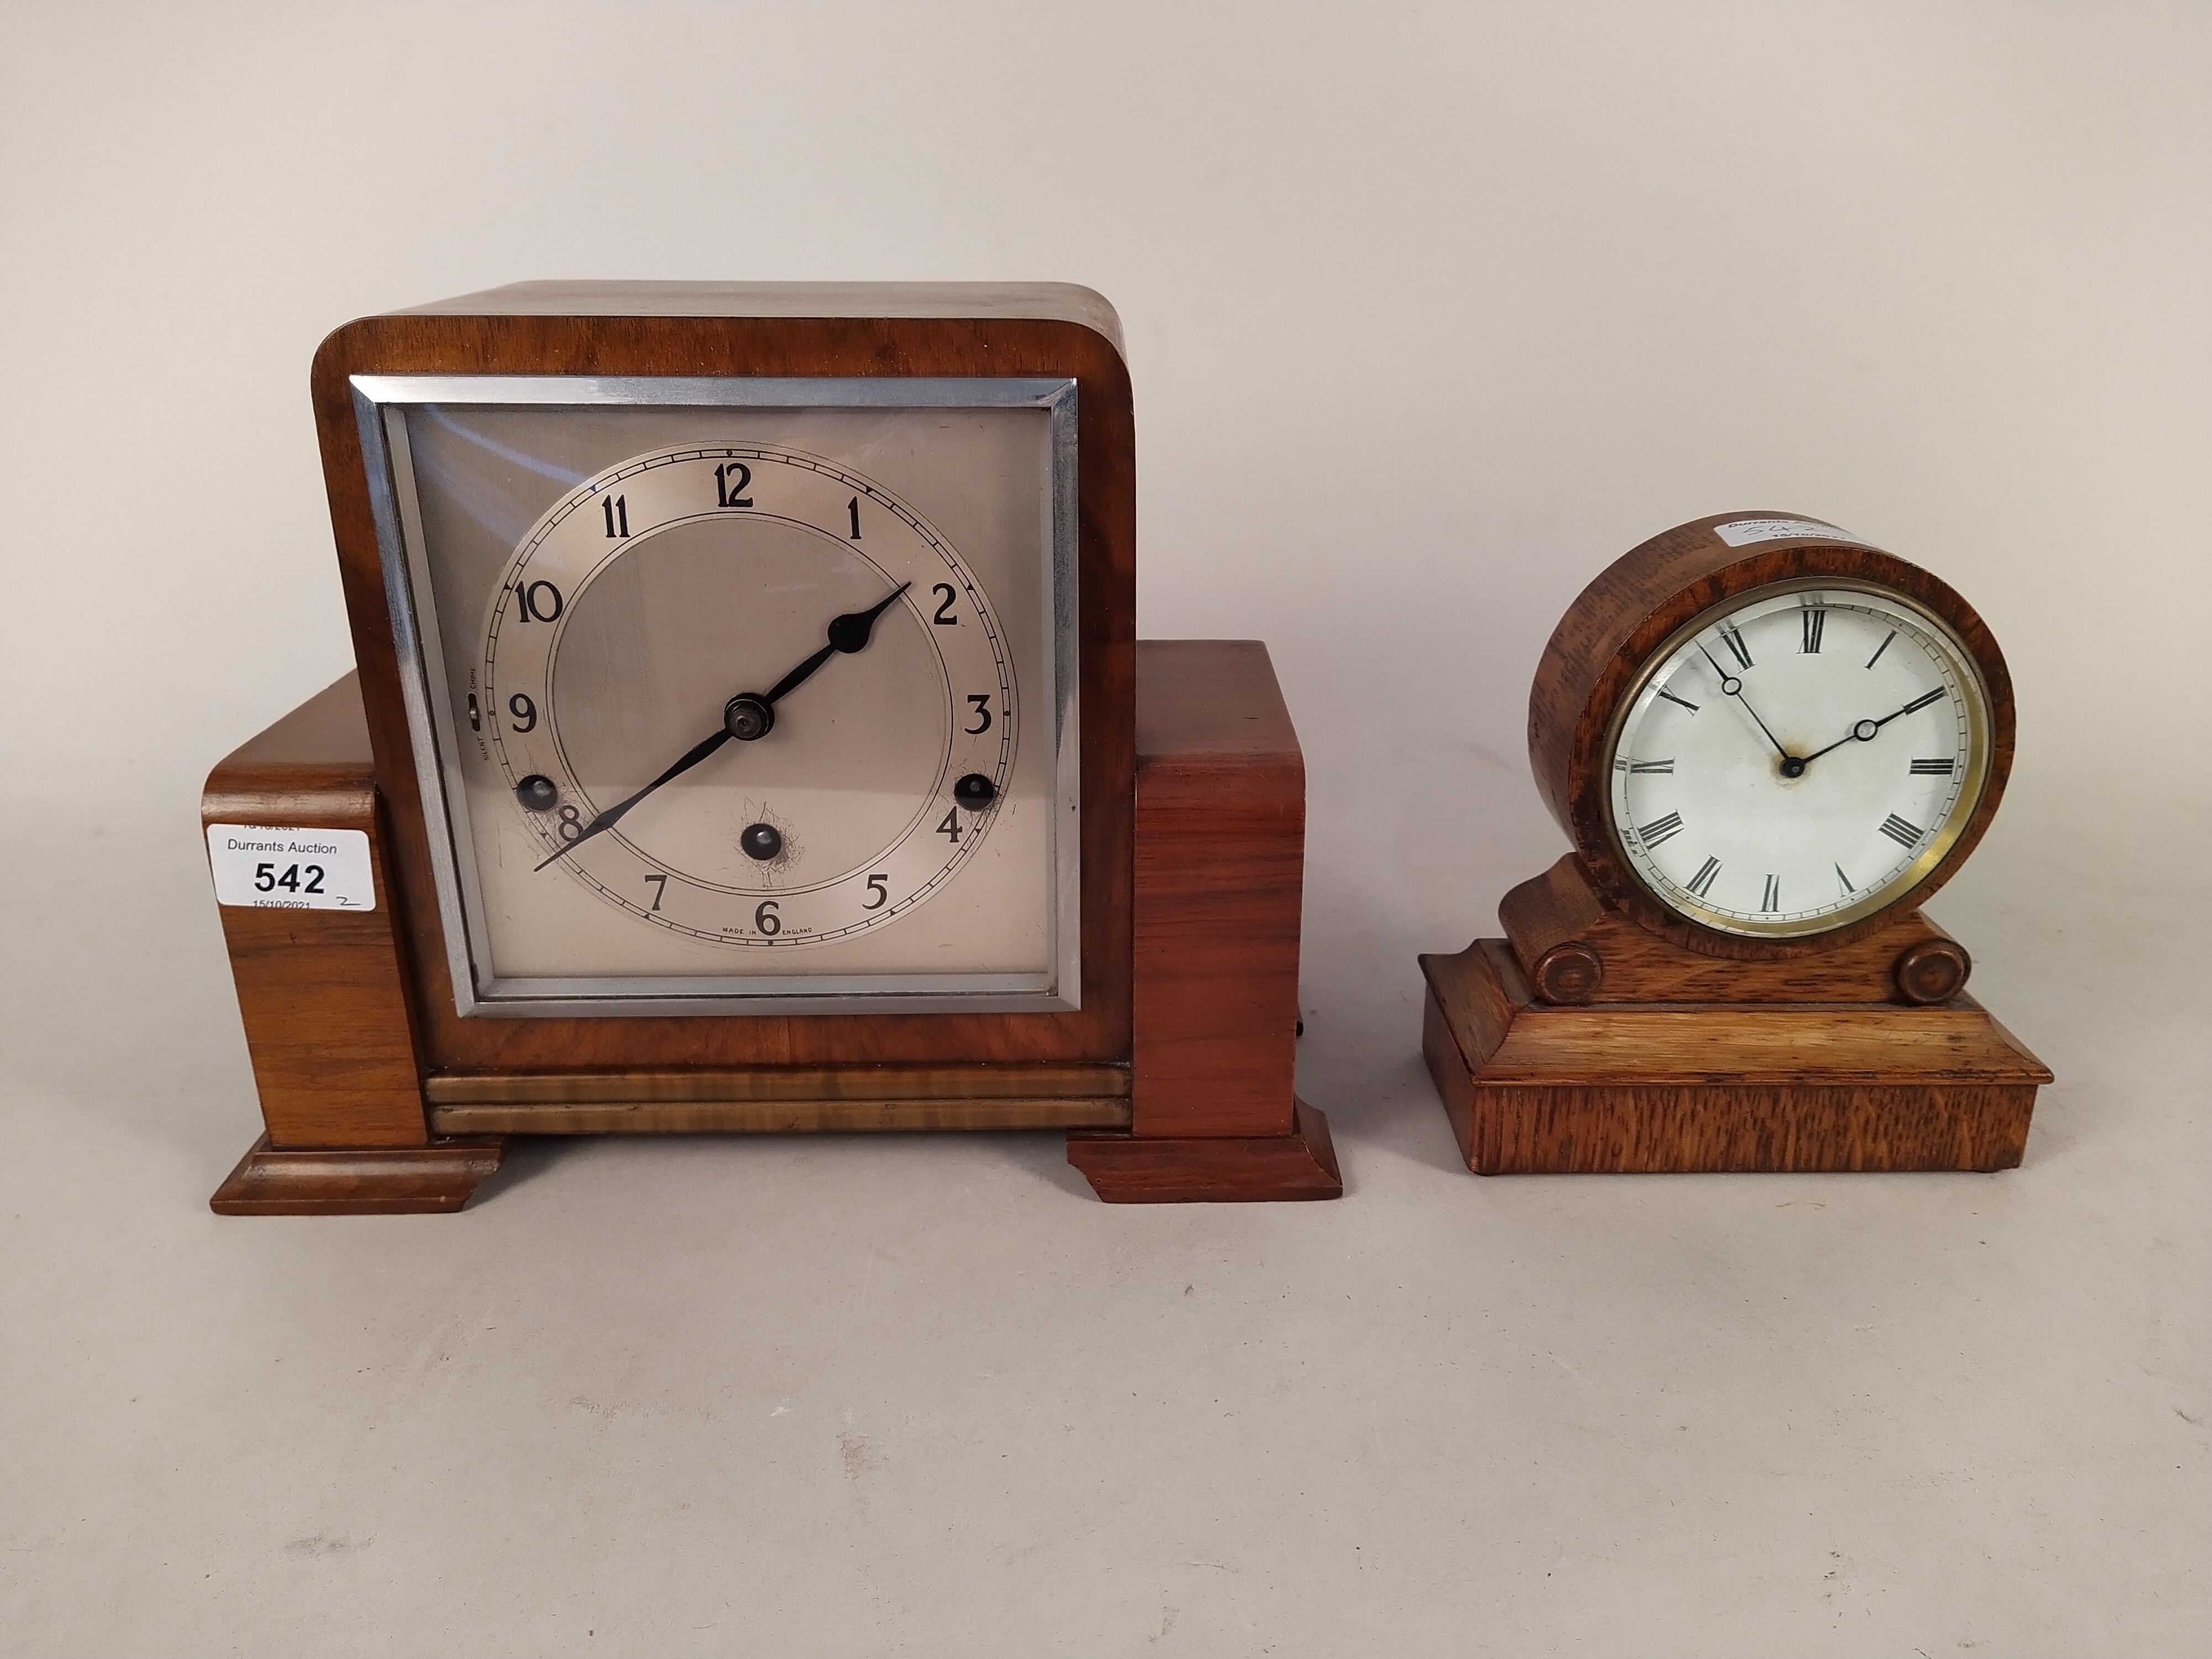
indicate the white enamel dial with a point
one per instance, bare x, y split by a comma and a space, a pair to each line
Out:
1798, 758
879, 715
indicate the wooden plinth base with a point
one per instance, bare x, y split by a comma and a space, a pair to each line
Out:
1211, 1169
357, 1180
1534, 1088
1191, 1100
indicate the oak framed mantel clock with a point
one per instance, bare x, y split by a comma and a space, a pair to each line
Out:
1769, 741
749, 734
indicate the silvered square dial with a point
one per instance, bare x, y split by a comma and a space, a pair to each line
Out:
820, 798
1797, 758
744, 696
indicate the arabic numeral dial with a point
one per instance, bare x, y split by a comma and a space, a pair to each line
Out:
819, 741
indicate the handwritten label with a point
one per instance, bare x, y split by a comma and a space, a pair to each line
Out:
1741, 532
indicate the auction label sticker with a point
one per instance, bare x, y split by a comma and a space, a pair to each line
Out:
272, 868
1741, 532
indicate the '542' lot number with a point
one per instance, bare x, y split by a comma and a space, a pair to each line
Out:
263, 867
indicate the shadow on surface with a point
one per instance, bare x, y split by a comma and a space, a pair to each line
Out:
1043, 1154
527, 1157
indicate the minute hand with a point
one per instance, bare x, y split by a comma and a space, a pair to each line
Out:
1864, 731
748, 715
606, 820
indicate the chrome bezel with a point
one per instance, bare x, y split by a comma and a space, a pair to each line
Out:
381, 406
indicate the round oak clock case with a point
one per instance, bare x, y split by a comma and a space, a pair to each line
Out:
751, 702
1769, 742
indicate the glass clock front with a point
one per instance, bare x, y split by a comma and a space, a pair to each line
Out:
1798, 758
740, 695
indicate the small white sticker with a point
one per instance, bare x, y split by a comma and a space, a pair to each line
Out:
1741, 532
284, 869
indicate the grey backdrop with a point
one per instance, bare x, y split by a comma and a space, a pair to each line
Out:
1432, 312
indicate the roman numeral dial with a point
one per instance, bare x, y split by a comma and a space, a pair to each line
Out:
1797, 761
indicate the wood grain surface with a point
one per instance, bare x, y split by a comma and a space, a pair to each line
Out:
783, 1084
322, 994
711, 341
431, 1179
1212, 1169
1220, 785
1534, 1088
772, 1117
1562, 907
1192, 863
1628, 612
1220, 866
1219, 874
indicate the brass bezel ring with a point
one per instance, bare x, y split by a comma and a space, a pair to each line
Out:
1938, 849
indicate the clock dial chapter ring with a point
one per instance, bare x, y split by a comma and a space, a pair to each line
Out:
660, 596
1660, 599
1726, 818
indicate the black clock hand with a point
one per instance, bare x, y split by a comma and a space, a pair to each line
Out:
848, 633
606, 819
748, 715
1864, 731
1732, 686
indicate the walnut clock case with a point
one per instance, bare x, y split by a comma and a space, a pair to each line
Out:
749, 734
1769, 742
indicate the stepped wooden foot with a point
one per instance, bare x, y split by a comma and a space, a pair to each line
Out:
1124, 1169
427, 1180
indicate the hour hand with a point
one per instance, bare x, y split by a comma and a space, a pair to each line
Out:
1732, 686
749, 716
848, 633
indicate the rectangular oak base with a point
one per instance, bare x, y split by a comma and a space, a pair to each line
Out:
1532, 1088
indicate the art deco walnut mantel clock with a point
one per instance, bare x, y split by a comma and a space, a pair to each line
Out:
749, 734
1769, 742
